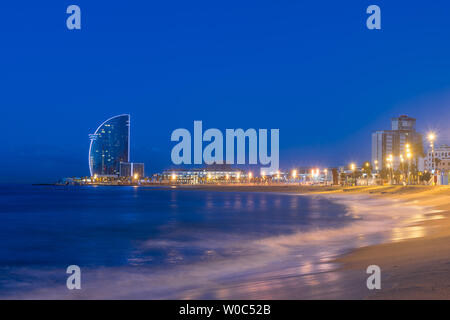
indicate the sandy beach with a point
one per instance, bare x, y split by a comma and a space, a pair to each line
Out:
414, 268
237, 242
417, 268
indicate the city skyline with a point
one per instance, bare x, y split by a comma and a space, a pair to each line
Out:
240, 68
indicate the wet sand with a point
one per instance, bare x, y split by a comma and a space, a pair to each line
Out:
415, 268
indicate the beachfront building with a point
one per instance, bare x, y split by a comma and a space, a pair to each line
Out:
210, 174
391, 147
131, 169
440, 157
312, 175
110, 145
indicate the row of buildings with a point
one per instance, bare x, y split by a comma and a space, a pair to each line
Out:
226, 174
109, 159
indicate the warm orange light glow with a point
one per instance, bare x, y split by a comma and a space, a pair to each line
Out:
294, 174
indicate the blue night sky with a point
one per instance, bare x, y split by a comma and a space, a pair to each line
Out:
310, 68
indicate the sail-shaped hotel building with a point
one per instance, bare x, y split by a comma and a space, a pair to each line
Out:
110, 145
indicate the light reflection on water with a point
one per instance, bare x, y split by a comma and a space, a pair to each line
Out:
147, 243
404, 233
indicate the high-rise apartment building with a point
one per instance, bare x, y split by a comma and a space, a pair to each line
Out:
389, 147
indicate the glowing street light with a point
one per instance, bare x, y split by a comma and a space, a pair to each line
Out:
353, 168
174, 176
249, 176
294, 174
431, 136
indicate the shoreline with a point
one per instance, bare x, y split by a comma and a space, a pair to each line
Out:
415, 268
411, 246
411, 268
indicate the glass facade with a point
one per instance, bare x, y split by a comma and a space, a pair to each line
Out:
110, 146
128, 169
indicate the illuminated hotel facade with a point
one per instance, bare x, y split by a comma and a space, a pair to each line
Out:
110, 145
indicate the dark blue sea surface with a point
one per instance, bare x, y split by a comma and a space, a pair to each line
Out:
146, 242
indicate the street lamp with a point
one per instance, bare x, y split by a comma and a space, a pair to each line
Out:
353, 167
389, 160
431, 138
